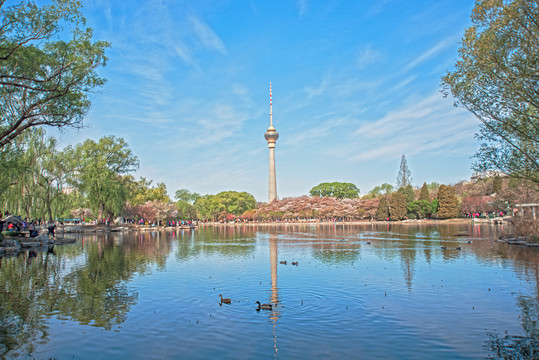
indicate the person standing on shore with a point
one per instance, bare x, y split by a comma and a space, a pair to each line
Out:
51, 226
32, 228
1, 222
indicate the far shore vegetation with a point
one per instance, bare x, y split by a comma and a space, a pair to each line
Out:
46, 82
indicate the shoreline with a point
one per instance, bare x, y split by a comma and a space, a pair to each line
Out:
134, 227
495, 221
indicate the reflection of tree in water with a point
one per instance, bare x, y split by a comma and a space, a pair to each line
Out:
336, 256
228, 241
518, 346
94, 293
24, 288
408, 265
336, 253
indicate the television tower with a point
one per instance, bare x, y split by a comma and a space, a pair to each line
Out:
271, 136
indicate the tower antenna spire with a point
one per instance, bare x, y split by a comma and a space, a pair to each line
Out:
271, 109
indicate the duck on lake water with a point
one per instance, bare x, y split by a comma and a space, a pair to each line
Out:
225, 300
264, 306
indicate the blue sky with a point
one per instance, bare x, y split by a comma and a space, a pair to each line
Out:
356, 84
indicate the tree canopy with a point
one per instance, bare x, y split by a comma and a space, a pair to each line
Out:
227, 202
424, 194
495, 78
98, 169
448, 202
380, 190
408, 193
339, 190
382, 212
397, 206
44, 80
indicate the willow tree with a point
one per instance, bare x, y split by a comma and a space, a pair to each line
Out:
37, 178
495, 78
45, 75
99, 167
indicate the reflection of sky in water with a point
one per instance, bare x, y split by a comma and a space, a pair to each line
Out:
363, 291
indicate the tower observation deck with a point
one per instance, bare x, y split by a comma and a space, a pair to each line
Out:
271, 136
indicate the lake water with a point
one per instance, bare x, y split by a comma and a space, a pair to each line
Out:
358, 291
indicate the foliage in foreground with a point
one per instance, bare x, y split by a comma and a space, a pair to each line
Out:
44, 79
496, 79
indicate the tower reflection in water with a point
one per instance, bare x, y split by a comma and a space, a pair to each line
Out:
274, 260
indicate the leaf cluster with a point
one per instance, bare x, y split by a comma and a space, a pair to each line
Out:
397, 206
496, 79
339, 190
227, 202
448, 202
44, 80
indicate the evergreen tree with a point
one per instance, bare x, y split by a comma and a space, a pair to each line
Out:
435, 205
405, 175
408, 193
397, 206
382, 213
424, 194
448, 202
420, 208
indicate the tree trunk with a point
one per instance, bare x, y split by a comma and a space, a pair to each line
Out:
100, 213
49, 208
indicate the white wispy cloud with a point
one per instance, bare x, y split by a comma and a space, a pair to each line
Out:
147, 71
157, 119
302, 5
185, 54
439, 46
431, 125
241, 92
403, 83
207, 36
368, 56
378, 7
318, 90
323, 129
254, 8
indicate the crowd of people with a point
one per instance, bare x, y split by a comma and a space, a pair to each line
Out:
16, 224
486, 214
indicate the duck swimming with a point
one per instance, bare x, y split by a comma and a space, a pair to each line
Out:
225, 300
264, 306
